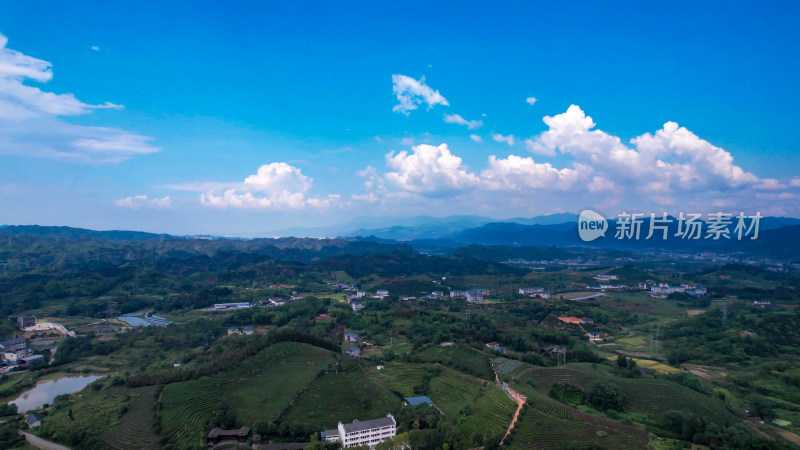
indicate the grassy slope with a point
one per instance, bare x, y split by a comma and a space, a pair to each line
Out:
343, 397
135, 429
452, 391
258, 389
651, 397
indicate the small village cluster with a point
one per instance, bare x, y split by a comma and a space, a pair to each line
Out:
18, 351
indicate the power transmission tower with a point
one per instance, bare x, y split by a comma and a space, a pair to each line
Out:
724, 315
135, 291
657, 341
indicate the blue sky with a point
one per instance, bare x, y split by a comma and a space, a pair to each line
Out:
228, 119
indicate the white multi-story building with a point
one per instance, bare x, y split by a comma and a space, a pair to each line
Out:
531, 290
605, 277
663, 290
368, 432
534, 292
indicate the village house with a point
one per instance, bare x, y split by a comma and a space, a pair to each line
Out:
33, 420
26, 321
351, 337
531, 291
355, 352
13, 344
367, 433
605, 277
30, 359
496, 347
552, 349
17, 355
356, 306
572, 320
474, 297
594, 336
664, 289
217, 435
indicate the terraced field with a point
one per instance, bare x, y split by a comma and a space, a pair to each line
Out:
506, 366
647, 396
537, 429
258, 389
186, 408
334, 397
135, 429
451, 391
491, 415
654, 397
403, 378
576, 374
460, 357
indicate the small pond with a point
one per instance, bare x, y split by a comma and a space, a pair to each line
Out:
46, 391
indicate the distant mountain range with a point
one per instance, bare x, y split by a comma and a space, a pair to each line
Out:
415, 228
779, 236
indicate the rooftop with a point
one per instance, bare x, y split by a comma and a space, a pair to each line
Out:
241, 432
414, 401
369, 424
14, 341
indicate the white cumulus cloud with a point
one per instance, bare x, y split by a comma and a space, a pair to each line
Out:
530, 100
429, 169
411, 93
510, 139
516, 173
470, 124
475, 137
276, 185
143, 201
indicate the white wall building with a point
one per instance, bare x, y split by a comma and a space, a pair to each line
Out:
368, 432
605, 277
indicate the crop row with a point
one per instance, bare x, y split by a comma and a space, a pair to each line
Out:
539, 430
506, 366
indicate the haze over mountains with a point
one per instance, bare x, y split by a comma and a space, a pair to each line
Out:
779, 236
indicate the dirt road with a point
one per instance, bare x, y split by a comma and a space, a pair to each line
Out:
516, 397
41, 443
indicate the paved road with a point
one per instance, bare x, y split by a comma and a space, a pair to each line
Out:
41, 443
587, 297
